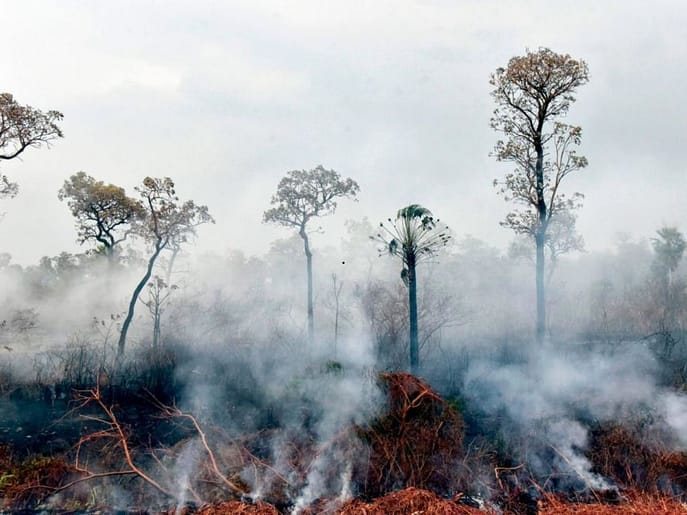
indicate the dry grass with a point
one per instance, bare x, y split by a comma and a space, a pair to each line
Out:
638, 504
415, 501
409, 502
29, 481
238, 508
638, 461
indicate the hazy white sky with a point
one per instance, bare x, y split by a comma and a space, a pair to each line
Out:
225, 97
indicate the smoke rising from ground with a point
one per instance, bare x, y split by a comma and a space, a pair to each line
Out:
234, 331
555, 395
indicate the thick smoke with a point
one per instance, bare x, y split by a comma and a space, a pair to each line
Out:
235, 354
674, 406
553, 396
308, 398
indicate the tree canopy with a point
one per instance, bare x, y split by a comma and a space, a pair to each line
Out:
21, 127
166, 219
304, 194
414, 235
103, 212
531, 95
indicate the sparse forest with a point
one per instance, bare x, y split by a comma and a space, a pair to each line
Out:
412, 368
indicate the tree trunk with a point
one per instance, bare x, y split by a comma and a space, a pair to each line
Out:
541, 298
109, 255
336, 288
156, 326
170, 265
540, 240
308, 257
134, 299
412, 306
336, 316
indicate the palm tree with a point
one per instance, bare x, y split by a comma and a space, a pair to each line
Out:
413, 236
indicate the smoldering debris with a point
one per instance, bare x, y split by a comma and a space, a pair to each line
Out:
308, 430
548, 410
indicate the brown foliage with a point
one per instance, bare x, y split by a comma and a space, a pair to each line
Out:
407, 502
417, 501
417, 443
21, 127
639, 504
29, 481
103, 212
239, 508
632, 461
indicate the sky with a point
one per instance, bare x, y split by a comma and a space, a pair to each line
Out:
226, 97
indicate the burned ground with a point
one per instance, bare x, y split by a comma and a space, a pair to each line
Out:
411, 456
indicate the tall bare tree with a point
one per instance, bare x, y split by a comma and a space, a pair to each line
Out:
103, 212
532, 94
166, 220
21, 127
303, 195
413, 236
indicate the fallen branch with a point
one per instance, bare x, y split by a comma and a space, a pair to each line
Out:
114, 430
174, 412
